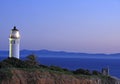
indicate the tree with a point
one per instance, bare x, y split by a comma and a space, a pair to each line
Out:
31, 58
32, 61
82, 71
56, 68
96, 72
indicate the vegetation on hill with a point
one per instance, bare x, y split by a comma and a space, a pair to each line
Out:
30, 64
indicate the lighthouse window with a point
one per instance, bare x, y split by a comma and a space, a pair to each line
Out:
14, 42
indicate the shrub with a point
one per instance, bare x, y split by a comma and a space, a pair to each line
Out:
11, 62
55, 68
82, 71
94, 72
31, 61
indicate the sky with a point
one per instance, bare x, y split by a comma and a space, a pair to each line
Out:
91, 26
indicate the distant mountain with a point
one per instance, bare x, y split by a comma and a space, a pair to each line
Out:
57, 53
48, 53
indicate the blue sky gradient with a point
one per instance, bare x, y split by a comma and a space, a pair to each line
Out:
91, 26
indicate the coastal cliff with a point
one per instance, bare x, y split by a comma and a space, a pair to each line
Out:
15, 71
22, 76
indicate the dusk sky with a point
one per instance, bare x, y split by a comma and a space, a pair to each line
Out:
91, 26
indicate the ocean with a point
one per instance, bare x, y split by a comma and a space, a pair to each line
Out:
81, 62
85, 63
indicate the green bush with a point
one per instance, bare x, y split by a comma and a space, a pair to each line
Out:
55, 68
31, 61
17, 63
94, 72
11, 62
82, 71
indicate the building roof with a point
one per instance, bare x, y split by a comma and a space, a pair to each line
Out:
14, 29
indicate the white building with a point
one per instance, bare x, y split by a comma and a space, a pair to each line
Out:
14, 43
105, 71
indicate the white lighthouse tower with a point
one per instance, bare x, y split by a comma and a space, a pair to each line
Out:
14, 43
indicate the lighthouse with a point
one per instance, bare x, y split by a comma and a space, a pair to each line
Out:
14, 43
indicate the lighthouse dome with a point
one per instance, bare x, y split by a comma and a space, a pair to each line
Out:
15, 33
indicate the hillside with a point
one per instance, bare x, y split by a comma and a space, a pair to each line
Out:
14, 71
37, 76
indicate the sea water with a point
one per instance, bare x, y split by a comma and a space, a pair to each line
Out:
85, 63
